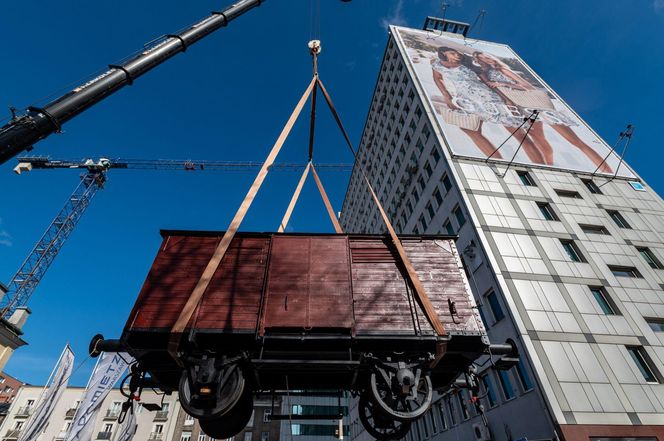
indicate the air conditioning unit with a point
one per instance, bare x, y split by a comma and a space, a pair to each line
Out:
481, 432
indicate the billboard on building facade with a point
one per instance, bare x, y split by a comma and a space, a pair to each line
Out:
481, 92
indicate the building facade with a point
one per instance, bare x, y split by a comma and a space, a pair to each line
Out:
565, 262
170, 423
313, 418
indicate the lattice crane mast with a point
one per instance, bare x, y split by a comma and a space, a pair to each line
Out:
25, 281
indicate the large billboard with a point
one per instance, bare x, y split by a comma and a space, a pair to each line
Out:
481, 92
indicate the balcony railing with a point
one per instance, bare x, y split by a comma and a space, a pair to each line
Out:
155, 436
161, 415
12, 434
104, 435
112, 414
25, 411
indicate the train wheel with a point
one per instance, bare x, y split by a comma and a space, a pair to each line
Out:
401, 393
378, 424
213, 400
233, 421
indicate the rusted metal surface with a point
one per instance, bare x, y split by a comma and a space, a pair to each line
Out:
277, 282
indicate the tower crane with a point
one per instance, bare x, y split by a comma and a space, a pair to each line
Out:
24, 130
23, 283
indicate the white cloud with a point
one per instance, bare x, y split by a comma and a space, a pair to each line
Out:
396, 16
5, 237
658, 5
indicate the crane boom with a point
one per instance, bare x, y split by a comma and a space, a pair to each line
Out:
27, 163
26, 279
21, 132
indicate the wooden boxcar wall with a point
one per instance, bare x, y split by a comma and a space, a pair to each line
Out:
281, 281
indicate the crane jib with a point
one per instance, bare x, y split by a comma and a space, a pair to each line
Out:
22, 132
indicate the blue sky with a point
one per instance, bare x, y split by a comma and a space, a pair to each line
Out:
228, 97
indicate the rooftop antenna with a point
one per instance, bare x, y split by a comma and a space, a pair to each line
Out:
627, 136
480, 18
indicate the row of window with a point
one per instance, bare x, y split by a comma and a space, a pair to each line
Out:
527, 180
457, 407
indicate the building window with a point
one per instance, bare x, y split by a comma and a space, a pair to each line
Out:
524, 378
186, 436
482, 316
625, 271
458, 214
423, 223
441, 413
265, 436
449, 228
649, 257
267, 415
594, 229
656, 324
202, 437
526, 179
568, 194
506, 384
591, 186
426, 131
619, 219
572, 251
435, 154
643, 362
421, 183
427, 169
248, 436
494, 304
430, 210
437, 196
490, 393
446, 182
547, 211
462, 405
451, 409
603, 300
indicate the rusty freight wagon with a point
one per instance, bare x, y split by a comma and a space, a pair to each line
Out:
303, 312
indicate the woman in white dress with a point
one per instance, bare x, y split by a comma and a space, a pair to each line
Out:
501, 78
463, 91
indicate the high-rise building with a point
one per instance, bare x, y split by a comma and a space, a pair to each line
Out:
563, 242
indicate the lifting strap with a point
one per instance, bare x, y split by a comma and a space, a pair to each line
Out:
323, 194
194, 299
429, 310
330, 210
293, 201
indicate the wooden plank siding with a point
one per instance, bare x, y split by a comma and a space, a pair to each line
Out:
271, 282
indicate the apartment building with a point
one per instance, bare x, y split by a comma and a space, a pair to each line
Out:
564, 249
170, 423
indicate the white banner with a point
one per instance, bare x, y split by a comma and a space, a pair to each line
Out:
37, 423
107, 372
129, 426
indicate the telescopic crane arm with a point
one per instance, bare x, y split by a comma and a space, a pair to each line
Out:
21, 132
